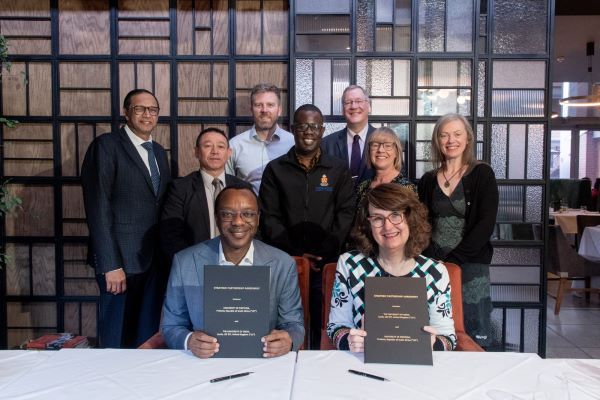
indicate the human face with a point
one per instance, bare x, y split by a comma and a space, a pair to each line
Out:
389, 237
265, 111
382, 159
237, 234
213, 152
356, 109
142, 125
453, 139
309, 140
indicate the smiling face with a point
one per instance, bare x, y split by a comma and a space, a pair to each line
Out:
237, 234
142, 125
356, 109
453, 139
212, 151
383, 152
306, 138
265, 110
389, 236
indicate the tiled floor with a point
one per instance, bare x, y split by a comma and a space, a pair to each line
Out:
575, 331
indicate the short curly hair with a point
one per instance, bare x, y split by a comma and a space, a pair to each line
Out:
392, 197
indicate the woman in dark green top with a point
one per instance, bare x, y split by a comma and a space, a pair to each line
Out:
462, 197
385, 157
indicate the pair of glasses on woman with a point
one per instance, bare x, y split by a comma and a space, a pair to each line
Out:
387, 146
377, 221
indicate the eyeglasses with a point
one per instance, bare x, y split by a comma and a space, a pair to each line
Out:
305, 127
140, 110
386, 145
377, 221
228, 215
349, 103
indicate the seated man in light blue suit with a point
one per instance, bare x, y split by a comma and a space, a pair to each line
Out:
236, 209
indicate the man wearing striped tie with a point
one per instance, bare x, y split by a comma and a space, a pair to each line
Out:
125, 175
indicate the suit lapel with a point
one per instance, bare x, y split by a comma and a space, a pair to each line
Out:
206, 254
198, 202
135, 157
342, 145
261, 254
163, 167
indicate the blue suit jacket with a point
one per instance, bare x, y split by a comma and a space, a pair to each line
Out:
183, 311
336, 144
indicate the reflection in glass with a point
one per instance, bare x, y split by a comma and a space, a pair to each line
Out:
443, 101
520, 26
323, 43
510, 206
389, 106
304, 84
517, 103
499, 135
445, 73
424, 131
516, 154
402, 25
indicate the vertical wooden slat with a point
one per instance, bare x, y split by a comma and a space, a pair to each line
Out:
44, 274
275, 33
83, 27
37, 217
40, 89
248, 27
17, 270
14, 90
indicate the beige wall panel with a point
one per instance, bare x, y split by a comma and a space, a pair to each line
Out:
202, 14
144, 46
249, 74
88, 320
14, 90
71, 155
144, 28
220, 27
186, 138
203, 39
75, 269
144, 75
29, 131
74, 252
81, 287
275, 27
29, 46
84, 75
44, 274
28, 168
144, 8
37, 216
23, 28
71, 311
17, 337
75, 229
31, 314
83, 102
126, 81
247, 27
185, 28
209, 108
162, 135
72, 202
221, 80
17, 270
193, 79
40, 89
162, 89
84, 27
28, 149
25, 8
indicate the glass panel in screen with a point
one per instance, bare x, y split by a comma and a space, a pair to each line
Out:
481, 75
304, 79
322, 7
365, 10
323, 33
535, 152
381, 78
341, 80
443, 101
520, 27
516, 155
519, 74
331, 127
322, 92
459, 25
432, 23
402, 25
498, 160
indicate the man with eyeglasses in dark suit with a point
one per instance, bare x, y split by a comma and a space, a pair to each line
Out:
125, 175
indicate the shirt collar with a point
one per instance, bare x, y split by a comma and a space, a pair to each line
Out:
362, 133
248, 259
135, 139
208, 178
274, 138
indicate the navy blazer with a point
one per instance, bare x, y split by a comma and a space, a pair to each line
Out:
185, 220
183, 311
336, 144
121, 207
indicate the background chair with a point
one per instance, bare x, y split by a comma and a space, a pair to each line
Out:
569, 266
303, 267
464, 341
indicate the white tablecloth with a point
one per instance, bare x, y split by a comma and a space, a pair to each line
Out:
589, 245
109, 374
568, 219
455, 375
15, 363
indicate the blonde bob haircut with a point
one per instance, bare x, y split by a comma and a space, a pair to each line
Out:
388, 132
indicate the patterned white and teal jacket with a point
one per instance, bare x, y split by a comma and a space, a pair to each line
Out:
347, 297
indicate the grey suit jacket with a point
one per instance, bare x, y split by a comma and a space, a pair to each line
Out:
183, 311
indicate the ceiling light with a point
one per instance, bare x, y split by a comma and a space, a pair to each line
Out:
592, 100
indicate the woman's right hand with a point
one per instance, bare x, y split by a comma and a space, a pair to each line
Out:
356, 340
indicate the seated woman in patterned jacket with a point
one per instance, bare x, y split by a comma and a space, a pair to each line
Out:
391, 230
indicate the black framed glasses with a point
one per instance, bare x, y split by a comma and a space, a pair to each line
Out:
305, 127
140, 110
229, 215
388, 146
377, 221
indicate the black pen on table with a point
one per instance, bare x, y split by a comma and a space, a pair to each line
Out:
366, 375
228, 377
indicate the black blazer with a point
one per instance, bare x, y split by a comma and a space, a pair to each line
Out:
121, 207
185, 220
336, 144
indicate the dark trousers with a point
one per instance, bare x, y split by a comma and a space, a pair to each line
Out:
128, 319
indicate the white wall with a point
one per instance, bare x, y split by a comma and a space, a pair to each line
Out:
571, 33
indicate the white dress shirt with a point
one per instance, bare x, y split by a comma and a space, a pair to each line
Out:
137, 143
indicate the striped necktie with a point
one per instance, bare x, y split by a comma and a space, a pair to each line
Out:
154, 174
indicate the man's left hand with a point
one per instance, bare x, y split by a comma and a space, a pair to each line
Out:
277, 343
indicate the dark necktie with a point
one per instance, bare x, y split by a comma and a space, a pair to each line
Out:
154, 174
356, 156
218, 187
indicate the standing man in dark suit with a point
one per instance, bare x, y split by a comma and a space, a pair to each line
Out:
349, 143
125, 175
188, 216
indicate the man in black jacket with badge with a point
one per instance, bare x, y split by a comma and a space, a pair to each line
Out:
307, 203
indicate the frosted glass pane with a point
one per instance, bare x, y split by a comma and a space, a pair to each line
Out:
480, 129
323, 43
535, 152
424, 131
524, 293
519, 75
516, 157
403, 13
515, 275
510, 205
323, 7
401, 78
460, 25
375, 76
533, 209
389, 106
481, 89
384, 11
365, 25
403, 20
341, 80
423, 150
443, 101
384, 38
331, 127
520, 26
532, 330
323, 85
432, 22
421, 167
304, 84
321, 24
444, 73
516, 256
517, 103
499, 134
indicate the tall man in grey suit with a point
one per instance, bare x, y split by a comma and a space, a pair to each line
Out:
348, 144
188, 216
236, 209
125, 175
